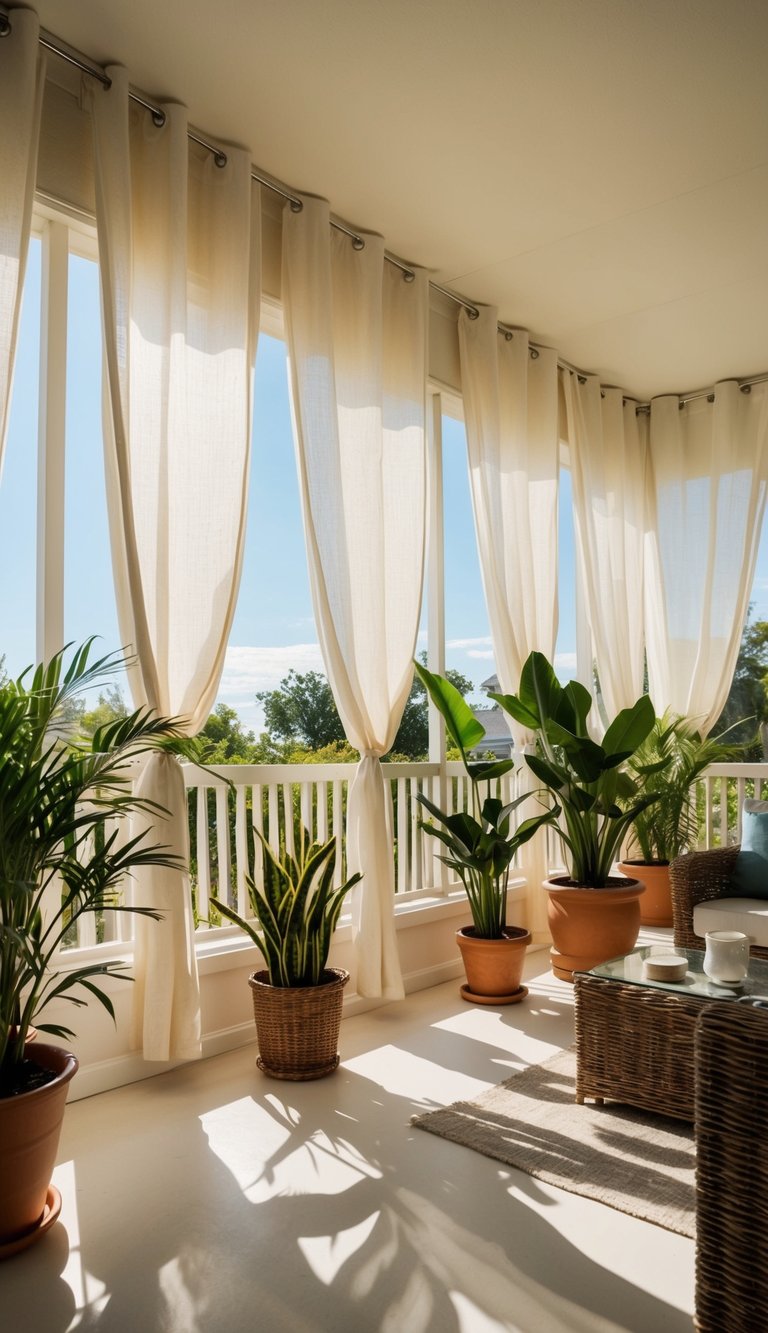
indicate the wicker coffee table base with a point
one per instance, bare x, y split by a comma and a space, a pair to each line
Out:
635, 1045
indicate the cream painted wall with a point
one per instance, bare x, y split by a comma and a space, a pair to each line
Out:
108, 1053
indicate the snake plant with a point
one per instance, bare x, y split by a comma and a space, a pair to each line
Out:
296, 911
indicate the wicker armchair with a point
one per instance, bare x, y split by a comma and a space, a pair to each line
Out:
731, 1169
696, 878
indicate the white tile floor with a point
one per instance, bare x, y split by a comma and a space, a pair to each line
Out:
212, 1200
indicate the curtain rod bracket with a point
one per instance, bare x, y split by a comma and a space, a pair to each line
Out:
745, 388
534, 351
5, 26
296, 205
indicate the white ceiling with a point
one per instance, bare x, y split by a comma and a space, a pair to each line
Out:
598, 169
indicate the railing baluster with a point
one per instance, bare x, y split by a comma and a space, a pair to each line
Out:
403, 854
203, 859
321, 824
223, 852
257, 820
337, 820
241, 849
741, 791
723, 812
416, 877
273, 826
305, 802
290, 846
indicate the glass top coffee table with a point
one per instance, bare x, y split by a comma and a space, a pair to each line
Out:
635, 1038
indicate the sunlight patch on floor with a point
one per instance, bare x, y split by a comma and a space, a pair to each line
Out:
270, 1150
600, 1236
422, 1081
471, 1318
490, 1028
89, 1294
326, 1255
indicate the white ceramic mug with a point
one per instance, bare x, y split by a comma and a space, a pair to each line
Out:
726, 959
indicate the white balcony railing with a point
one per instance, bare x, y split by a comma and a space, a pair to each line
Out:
228, 803
275, 799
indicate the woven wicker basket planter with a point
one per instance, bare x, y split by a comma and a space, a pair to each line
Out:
298, 1026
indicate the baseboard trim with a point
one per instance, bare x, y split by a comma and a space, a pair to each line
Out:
120, 1070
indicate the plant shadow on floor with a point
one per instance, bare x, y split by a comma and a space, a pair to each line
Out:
241, 1202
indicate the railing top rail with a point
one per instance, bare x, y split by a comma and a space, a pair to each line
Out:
246, 775
729, 770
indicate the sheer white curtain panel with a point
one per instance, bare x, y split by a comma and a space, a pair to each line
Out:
357, 347
608, 448
706, 498
511, 415
22, 79
180, 272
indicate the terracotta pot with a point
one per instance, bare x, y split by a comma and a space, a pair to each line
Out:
589, 926
493, 967
30, 1125
656, 902
298, 1026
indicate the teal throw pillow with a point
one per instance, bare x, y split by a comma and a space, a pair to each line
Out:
750, 874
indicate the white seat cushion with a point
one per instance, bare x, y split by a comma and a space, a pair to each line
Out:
749, 915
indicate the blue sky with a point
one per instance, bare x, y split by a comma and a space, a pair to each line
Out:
273, 629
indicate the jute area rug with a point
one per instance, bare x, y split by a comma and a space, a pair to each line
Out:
641, 1164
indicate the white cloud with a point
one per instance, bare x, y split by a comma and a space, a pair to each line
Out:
565, 662
467, 644
486, 654
248, 670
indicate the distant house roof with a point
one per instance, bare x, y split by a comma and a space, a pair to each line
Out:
495, 723
491, 684
497, 734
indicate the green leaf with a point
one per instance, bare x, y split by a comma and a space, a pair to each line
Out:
488, 770
518, 711
540, 690
628, 730
460, 722
580, 700
552, 776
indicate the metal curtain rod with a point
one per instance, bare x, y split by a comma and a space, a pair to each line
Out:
81, 61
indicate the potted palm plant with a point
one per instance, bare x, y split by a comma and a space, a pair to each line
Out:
667, 764
59, 860
481, 846
297, 999
593, 914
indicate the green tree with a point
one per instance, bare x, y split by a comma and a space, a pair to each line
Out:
227, 741
110, 707
745, 714
302, 713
